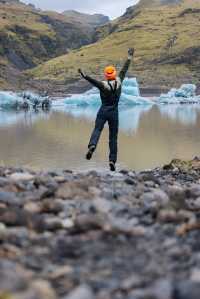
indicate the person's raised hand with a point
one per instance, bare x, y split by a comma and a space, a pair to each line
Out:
131, 52
81, 72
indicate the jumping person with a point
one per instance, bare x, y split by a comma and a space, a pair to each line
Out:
110, 92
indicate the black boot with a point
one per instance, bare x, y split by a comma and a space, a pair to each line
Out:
90, 152
112, 166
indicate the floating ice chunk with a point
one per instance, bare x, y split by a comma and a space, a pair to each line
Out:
83, 100
129, 100
9, 100
186, 91
185, 94
22, 101
91, 98
131, 82
131, 87
130, 96
133, 91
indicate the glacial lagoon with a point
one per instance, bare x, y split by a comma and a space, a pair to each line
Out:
152, 131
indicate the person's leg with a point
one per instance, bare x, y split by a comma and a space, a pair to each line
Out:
99, 125
113, 123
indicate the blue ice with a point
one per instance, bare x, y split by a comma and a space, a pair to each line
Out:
185, 94
9, 100
130, 97
14, 101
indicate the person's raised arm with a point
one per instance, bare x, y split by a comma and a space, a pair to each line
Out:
93, 81
125, 68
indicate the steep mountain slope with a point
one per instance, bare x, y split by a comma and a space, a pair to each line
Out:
29, 37
167, 41
90, 21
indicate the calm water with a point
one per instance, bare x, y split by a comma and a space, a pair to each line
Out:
149, 136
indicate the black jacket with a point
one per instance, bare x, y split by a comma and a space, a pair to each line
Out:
110, 91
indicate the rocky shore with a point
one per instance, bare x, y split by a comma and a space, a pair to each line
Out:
100, 235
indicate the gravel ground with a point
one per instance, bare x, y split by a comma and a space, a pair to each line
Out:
100, 235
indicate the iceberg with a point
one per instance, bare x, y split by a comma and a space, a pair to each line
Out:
9, 100
22, 101
185, 94
130, 97
131, 87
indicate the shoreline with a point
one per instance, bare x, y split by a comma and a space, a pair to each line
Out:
74, 235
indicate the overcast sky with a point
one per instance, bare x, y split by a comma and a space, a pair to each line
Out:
112, 8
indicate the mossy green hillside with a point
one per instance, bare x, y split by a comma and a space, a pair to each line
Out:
149, 29
29, 37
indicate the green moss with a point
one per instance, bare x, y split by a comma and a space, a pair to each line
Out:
35, 37
149, 33
184, 166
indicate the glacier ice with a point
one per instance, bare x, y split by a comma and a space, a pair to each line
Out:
185, 94
130, 97
9, 100
19, 101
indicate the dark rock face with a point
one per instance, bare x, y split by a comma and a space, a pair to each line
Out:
189, 11
99, 235
29, 50
68, 35
23, 47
